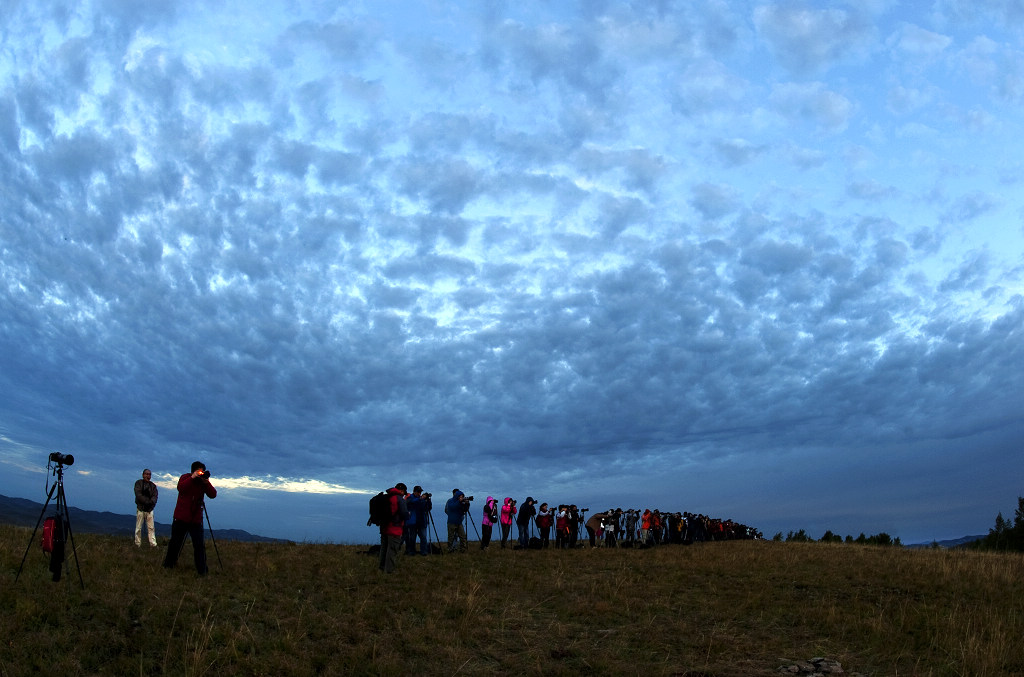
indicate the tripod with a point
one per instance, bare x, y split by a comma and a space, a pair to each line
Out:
189, 536
63, 530
212, 539
469, 514
430, 516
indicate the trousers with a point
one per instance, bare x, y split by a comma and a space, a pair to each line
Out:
147, 519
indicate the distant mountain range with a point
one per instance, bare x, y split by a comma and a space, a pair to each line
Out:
952, 543
25, 513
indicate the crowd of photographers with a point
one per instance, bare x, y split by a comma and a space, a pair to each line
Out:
542, 525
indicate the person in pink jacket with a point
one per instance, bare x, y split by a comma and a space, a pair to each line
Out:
487, 522
508, 513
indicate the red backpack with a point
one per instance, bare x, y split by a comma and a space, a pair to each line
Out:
53, 535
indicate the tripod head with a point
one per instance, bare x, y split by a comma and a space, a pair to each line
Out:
55, 463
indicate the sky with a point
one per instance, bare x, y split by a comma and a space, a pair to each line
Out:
762, 261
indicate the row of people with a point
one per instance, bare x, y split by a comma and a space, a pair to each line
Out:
412, 519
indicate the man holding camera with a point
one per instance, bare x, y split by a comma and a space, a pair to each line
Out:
419, 506
456, 508
145, 500
392, 530
193, 488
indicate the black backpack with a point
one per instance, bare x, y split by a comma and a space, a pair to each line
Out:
380, 509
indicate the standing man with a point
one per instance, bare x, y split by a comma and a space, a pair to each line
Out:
419, 505
145, 501
456, 508
391, 530
193, 487
526, 514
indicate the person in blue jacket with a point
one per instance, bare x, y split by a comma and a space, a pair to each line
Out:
456, 508
416, 526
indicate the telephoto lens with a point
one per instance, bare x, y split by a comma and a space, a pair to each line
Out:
61, 459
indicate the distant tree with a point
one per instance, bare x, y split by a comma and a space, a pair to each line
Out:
829, 537
777, 537
799, 537
1017, 532
999, 534
862, 539
849, 538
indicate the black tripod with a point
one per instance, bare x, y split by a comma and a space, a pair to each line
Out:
430, 516
62, 525
471, 521
212, 540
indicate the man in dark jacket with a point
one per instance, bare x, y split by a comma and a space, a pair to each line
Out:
455, 509
145, 500
391, 531
419, 505
193, 488
526, 514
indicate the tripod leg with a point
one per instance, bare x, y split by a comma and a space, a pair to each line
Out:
33, 536
62, 504
212, 540
436, 537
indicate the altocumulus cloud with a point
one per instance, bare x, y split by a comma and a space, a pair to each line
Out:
761, 262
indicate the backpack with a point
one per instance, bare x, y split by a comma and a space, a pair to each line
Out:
53, 543
380, 509
53, 534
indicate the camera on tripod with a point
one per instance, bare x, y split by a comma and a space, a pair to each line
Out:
57, 528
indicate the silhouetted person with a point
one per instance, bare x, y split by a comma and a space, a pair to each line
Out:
193, 488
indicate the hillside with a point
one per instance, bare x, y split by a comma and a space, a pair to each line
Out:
718, 609
25, 513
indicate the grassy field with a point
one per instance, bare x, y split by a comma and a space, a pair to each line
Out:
733, 608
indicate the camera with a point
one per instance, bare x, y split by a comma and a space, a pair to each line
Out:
427, 495
61, 459
467, 499
204, 475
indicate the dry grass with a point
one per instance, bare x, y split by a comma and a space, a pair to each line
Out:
737, 608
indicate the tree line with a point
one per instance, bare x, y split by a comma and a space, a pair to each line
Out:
829, 537
1005, 536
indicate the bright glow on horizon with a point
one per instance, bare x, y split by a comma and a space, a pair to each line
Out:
268, 483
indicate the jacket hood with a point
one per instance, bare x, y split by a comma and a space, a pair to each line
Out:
458, 494
508, 499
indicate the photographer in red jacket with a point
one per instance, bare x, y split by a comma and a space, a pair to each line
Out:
391, 532
193, 488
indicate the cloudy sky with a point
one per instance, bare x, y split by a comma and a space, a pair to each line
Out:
759, 260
